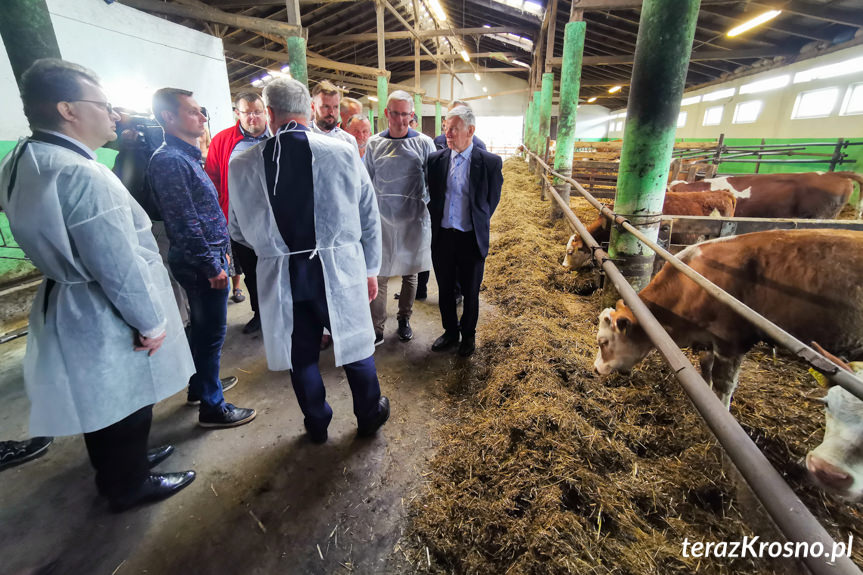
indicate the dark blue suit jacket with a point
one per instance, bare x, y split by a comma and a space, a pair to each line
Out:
440, 143
486, 180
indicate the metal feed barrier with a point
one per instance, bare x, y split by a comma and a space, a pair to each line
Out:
786, 510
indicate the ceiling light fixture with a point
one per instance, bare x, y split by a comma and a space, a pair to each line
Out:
615, 89
465, 56
437, 9
372, 99
591, 100
752, 23
477, 77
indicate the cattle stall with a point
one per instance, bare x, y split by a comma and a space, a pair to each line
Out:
682, 365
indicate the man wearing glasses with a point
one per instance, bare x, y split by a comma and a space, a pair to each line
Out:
105, 340
396, 162
250, 129
198, 232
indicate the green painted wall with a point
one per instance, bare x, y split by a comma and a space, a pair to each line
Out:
13, 262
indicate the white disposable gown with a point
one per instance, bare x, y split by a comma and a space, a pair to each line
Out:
397, 168
337, 134
348, 241
82, 229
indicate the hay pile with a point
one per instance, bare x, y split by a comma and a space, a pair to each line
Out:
549, 469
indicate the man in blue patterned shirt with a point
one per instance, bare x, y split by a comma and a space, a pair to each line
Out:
199, 239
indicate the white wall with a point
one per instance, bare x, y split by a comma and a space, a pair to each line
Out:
134, 54
775, 120
509, 105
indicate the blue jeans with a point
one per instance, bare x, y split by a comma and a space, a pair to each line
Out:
208, 313
310, 318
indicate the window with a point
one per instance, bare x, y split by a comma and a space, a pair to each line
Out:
690, 100
815, 103
681, 119
718, 95
747, 112
852, 66
853, 103
713, 116
765, 85
618, 126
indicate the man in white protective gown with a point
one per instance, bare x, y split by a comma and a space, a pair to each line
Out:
304, 203
396, 160
105, 341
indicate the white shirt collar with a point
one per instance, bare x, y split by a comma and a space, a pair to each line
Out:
84, 147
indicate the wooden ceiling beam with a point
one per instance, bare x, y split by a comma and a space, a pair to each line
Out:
207, 14
706, 55
312, 59
372, 37
819, 12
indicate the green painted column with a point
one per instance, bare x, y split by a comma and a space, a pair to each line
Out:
662, 53
418, 110
371, 119
383, 93
437, 118
570, 84
297, 59
545, 111
27, 33
530, 131
537, 104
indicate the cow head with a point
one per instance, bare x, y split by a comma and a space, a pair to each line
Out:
622, 342
837, 463
577, 255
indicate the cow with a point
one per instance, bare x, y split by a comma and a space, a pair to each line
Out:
837, 463
809, 282
710, 203
810, 195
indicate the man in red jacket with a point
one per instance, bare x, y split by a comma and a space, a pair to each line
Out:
250, 129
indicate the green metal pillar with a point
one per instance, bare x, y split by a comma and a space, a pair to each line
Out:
437, 118
545, 111
530, 131
382, 102
570, 83
418, 110
27, 33
662, 53
371, 118
297, 59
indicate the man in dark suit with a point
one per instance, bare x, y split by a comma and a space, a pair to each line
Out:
440, 141
464, 184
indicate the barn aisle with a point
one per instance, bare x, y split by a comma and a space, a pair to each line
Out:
265, 500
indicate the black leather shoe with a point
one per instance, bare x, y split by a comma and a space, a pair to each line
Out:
253, 326
317, 437
228, 416
446, 341
383, 414
227, 383
404, 331
13, 453
159, 454
155, 488
467, 346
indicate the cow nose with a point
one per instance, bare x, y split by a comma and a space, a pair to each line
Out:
828, 474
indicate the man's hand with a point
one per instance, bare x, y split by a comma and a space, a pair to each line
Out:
220, 281
373, 288
148, 344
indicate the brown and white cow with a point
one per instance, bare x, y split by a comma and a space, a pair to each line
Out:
810, 195
809, 282
710, 203
837, 463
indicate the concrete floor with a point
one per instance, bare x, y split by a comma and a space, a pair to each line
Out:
265, 500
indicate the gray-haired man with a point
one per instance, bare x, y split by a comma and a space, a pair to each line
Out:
396, 161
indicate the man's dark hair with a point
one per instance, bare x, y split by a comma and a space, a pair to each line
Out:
46, 83
248, 97
167, 100
326, 88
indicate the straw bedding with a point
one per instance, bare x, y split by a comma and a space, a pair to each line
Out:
547, 468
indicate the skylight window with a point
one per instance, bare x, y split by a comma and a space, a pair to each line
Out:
528, 6
815, 103
718, 95
747, 112
852, 66
681, 119
713, 116
513, 40
765, 85
853, 103
690, 100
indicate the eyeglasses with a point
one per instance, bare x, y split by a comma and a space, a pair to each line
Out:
400, 114
108, 107
254, 114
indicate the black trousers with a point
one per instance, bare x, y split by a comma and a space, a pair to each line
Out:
118, 453
457, 260
248, 262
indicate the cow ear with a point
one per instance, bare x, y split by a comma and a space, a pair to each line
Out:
623, 324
